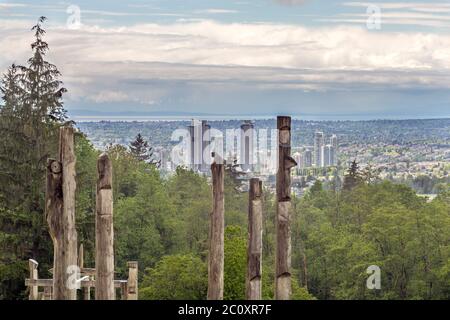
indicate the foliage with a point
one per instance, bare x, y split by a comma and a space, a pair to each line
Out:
235, 263
176, 277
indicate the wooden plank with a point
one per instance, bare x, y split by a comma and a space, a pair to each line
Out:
104, 232
216, 235
283, 231
254, 249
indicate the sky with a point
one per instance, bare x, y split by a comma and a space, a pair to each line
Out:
321, 59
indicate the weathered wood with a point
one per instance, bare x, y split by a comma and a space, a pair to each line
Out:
60, 214
283, 246
83, 283
104, 239
216, 235
124, 290
47, 293
34, 290
132, 283
254, 249
86, 290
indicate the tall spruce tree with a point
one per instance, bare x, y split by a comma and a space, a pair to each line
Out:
30, 115
140, 149
353, 176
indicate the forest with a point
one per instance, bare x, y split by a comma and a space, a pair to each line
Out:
162, 223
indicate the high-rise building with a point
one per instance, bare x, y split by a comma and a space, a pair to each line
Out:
328, 155
334, 144
307, 158
199, 140
247, 156
319, 149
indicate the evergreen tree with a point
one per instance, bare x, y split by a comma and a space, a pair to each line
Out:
140, 149
353, 177
31, 114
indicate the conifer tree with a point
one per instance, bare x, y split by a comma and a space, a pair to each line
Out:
353, 177
30, 115
140, 149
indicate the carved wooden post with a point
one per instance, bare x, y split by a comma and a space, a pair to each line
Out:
104, 233
132, 285
283, 246
254, 251
33, 266
60, 213
216, 235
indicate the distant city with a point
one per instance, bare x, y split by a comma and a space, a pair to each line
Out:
415, 152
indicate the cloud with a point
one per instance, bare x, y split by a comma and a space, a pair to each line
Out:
291, 2
168, 65
216, 11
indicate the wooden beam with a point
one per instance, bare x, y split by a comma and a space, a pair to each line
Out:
216, 235
84, 283
283, 229
254, 249
104, 233
34, 290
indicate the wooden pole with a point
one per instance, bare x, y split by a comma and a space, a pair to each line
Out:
104, 233
34, 290
254, 251
86, 290
283, 246
132, 284
216, 235
60, 213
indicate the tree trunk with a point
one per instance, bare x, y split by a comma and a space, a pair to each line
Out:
104, 233
216, 235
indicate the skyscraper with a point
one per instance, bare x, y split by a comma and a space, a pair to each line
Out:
308, 158
334, 144
328, 155
319, 149
247, 155
199, 140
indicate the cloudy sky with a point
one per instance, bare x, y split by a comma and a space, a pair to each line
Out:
308, 58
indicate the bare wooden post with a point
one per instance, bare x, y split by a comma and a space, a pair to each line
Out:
132, 285
87, 289
283, 247
254, 251
124, 290
60, 213
34, 290
216, 235
47, 293
104, 233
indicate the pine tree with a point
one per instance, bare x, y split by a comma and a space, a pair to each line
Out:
140, 149
353, 177
40, 81
30, 116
